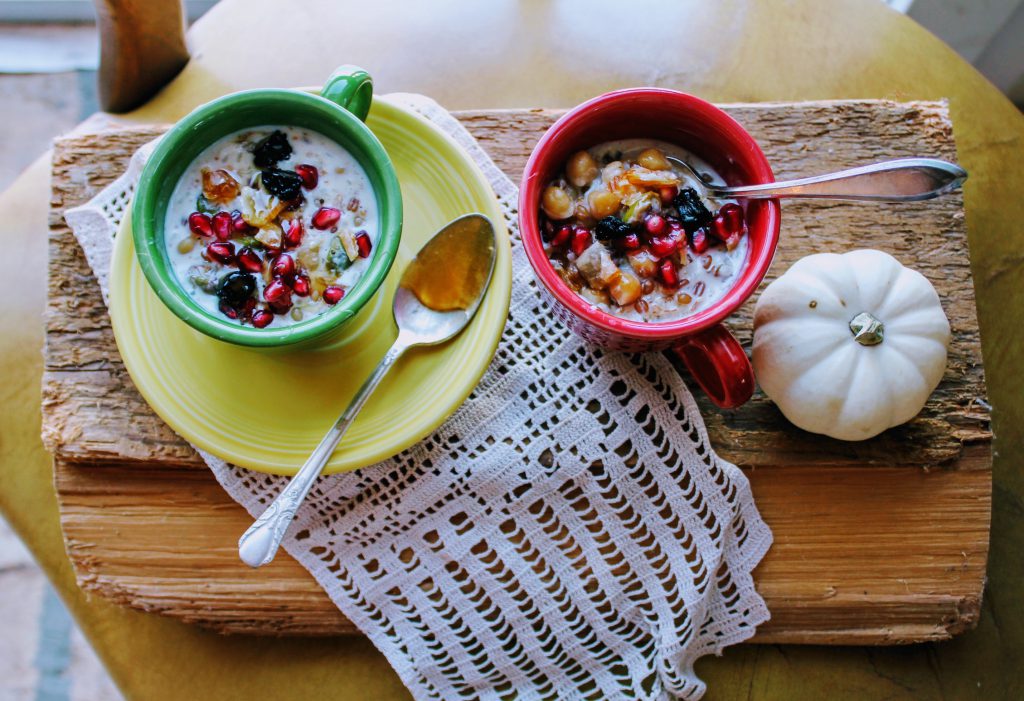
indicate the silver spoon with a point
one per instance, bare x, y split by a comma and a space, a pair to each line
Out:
900, 180
438, 294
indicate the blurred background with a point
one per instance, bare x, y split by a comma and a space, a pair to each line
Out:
49, 52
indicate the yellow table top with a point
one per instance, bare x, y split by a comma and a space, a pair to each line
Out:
474, 54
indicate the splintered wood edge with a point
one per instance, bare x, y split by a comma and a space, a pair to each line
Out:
885, 586
84, 376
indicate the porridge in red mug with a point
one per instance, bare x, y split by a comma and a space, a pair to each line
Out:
626, 230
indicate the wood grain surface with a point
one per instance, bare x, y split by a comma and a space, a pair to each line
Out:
882, 541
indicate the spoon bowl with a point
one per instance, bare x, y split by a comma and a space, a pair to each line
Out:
437, 296
441, 288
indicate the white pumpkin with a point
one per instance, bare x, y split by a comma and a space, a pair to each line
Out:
850, 344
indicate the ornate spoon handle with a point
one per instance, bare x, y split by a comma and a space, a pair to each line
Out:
901, 180
259, 544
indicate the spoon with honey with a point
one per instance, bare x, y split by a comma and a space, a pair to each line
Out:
437, 296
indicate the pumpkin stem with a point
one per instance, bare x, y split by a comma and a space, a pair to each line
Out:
866, 329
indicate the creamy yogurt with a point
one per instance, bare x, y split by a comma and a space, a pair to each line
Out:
327, 257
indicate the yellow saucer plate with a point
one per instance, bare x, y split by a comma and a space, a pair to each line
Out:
267, 410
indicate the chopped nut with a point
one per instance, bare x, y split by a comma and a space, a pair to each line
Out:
348, 242
260, 208
270, 235
597, 266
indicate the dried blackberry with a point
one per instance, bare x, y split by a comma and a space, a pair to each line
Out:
235, 288
272, 149
611, 228
284, 184
692, 211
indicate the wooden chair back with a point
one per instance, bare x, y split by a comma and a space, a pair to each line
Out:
142, 47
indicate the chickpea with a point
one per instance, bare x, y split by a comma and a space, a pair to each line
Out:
603, 203
653, 159
556, 203
626, 289
581, 169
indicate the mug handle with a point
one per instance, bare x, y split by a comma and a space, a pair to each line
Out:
717, 363
352, 88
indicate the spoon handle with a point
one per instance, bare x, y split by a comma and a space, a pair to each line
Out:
259, 544
901, 180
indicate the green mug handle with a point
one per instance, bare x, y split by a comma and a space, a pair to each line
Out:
352, 88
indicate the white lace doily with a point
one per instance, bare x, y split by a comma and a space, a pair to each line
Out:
568, 534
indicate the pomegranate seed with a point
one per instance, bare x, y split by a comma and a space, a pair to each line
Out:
200, 224
276, 291
301, 286
281, 306
309, 174
221, 251
699, 241
326, 217
668, 193
655, 224
283, 266
227, 310
662, 247
333, 294
580, 240
720, 228
667, 273
364, 245
247, 307
249, 260
562, 237
261, 318
293, 237
223, 227
733, 215
631, 242
677, 236
240, 225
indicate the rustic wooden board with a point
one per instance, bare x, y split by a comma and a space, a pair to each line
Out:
877, 542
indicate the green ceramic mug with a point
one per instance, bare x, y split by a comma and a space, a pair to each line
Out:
337, 113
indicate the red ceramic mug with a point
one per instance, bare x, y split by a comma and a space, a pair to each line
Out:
711, 353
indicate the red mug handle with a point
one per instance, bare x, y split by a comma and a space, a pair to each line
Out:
718, 364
